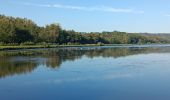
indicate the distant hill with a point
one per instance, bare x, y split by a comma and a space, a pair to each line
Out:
163, 36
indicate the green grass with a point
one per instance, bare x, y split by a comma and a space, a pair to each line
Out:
25, 47
16, 47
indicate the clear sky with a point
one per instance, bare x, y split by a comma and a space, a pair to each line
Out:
94, 15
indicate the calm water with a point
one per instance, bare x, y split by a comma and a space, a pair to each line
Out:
86, 73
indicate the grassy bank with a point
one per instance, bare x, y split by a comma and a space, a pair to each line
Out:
25, 47
17, 47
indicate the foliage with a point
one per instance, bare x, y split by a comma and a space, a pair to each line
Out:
25, 32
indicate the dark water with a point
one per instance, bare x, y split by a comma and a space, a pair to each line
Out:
86, 73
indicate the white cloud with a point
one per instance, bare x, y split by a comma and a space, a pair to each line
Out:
85, 8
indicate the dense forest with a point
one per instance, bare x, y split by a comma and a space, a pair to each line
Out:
17, 31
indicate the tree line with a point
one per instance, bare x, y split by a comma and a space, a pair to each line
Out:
21, 30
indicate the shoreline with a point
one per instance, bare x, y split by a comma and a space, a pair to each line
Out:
19, 47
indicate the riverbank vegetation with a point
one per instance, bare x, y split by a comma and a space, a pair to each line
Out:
24, 32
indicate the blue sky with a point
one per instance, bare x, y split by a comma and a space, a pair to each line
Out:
94, 15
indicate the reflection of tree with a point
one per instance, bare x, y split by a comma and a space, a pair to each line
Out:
56, 57
53, 62
8, 68
53, 58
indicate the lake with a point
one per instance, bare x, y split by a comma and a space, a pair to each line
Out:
86, 73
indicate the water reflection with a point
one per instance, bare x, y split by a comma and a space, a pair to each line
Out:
25, 61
